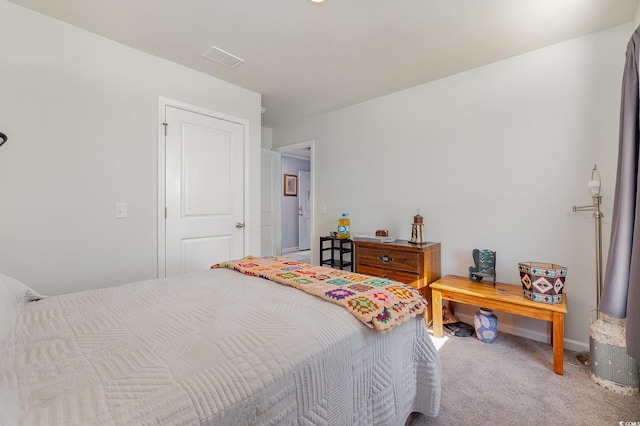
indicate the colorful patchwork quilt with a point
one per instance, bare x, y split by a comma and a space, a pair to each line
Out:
379, 303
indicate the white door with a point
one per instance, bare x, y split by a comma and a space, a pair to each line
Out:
270, 190
304, 210
204, 190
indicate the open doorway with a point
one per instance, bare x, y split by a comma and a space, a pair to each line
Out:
297, 210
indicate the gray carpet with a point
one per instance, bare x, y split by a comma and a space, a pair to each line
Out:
302, 255
511, 382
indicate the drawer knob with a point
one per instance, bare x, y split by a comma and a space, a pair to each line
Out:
385, 259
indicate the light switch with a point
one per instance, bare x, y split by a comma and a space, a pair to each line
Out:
121, 210
321, 208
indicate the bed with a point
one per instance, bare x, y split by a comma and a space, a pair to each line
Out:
210, 347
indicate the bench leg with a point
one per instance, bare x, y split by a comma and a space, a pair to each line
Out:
436, 312
558, 342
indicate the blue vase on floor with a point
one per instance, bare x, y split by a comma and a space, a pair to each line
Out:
486, 324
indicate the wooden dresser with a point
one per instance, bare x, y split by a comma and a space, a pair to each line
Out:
416, 265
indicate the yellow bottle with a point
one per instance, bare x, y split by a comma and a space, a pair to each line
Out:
344, 227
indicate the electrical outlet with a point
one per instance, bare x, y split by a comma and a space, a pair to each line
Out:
120, 210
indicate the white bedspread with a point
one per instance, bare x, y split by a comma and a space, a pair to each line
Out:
213, 347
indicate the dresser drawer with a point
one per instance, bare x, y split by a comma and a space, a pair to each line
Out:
401, 261
404, 277
389, 258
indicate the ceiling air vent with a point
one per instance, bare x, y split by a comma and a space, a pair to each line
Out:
223, 58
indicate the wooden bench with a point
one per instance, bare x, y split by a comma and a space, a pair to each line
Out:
504, 297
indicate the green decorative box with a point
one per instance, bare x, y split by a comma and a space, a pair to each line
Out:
542, 282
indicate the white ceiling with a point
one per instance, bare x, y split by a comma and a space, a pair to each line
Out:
307, 58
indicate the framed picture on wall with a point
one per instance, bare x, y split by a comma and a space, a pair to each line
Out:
290, 185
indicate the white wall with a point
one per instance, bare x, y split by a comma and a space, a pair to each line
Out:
494, 158
81, 113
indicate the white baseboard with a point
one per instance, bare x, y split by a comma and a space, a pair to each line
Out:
506, 327
289, 250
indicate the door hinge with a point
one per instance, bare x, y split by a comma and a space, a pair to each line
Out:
165, 212
165, 128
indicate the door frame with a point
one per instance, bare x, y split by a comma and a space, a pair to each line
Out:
164, 102
293, 147
276, 199
300, 202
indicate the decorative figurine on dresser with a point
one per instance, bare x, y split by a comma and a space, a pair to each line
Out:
485, 265
417, 230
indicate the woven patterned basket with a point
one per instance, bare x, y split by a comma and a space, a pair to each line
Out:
542, 282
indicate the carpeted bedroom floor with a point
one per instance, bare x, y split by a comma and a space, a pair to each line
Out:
511, 382
302, 255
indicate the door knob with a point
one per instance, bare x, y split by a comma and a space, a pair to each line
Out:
239, 225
